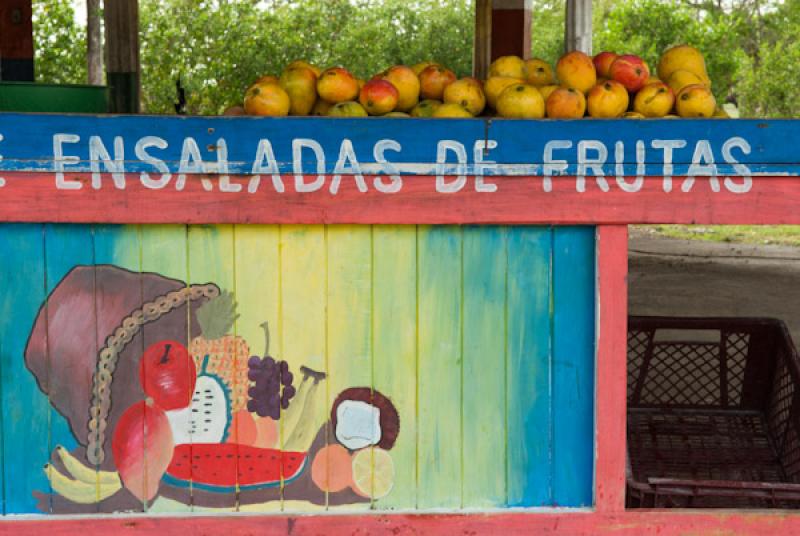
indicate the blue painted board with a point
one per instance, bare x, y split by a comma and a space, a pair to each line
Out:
520, 146
530, 406
573, 364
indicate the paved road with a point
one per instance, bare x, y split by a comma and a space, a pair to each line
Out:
696, 278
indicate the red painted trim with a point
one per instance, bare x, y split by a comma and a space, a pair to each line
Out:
518, 200
638, 523
611, 385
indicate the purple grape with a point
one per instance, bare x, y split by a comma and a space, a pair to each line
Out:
254, 361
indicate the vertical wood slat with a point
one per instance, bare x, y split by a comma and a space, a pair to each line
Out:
611, 378
164, 250
303, 328
210, 259
440, 389
529, 395
25, 426
484, 356
395, 350
573, 364
349, 317
258, 279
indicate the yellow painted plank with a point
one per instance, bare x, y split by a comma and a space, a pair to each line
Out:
258, 278
349, 331
302, 338
395, 350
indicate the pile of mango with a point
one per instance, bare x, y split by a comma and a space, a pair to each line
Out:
604, 86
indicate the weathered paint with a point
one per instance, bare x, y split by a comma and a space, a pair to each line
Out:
201, 170
456, 325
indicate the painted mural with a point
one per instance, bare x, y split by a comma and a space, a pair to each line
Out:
173, 368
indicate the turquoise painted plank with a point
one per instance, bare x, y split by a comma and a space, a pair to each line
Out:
484, 409
439, 459
573, 365
67, 246
25, 425
529, 425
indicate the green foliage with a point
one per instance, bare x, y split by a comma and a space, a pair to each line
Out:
219, 48
59, 43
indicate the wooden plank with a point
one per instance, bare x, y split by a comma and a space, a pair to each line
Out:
573, 364
349, 328
122, 54
482, 47
518, 200
529, 470
303, 302
511, 28
632, 523
611, 382
258, 279
211, 257
25, 426
484, 355
440, 363
395, 363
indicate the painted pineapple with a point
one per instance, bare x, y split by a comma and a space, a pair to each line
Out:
226, 354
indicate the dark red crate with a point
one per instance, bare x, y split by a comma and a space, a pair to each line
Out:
713, 415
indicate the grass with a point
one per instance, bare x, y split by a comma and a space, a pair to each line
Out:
787, 235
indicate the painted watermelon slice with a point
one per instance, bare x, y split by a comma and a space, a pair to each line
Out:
213, 466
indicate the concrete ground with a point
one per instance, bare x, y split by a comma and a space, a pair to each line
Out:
675, 277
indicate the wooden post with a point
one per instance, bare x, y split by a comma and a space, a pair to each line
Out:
16, 40
482, 49
510, 28
578, 26
122, 54
94, 42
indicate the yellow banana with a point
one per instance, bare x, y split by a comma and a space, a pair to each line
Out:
86, 474
308, 418
77, 490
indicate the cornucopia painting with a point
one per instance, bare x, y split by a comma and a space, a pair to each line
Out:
176, 405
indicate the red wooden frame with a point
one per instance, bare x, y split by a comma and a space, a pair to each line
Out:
608, 517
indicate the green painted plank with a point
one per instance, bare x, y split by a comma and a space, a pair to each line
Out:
573, 365
440, 390
529, 451
484, 411
395, 350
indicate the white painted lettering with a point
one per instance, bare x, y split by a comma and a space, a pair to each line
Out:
441, 159
347, 164
668, 146
702, 164
264, 153
595, 164
741, 169
60, 160
225, 184
98, 153
396, 181
552, 166
619, 163
191, 162
300, 185
141, 153
481, 165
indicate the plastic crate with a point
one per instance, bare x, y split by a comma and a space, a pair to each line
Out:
713, 413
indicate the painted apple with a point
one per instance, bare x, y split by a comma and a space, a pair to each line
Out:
142, 446
168, 374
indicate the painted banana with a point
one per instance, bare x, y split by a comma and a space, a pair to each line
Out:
77, 490
86, 474
306, 414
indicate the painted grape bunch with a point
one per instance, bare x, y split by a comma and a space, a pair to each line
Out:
272, 388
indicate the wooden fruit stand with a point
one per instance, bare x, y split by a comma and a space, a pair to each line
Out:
472, 271
308, 325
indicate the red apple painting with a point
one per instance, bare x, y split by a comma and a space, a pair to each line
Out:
168, 374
